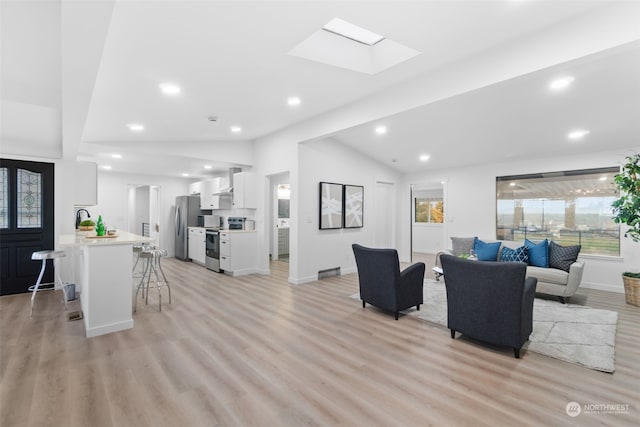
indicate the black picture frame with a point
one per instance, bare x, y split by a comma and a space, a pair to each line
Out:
330, 198
353, 206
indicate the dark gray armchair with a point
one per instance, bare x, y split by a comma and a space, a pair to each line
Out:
489, 301
381, 282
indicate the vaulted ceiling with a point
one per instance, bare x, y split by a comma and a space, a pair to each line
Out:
75, 74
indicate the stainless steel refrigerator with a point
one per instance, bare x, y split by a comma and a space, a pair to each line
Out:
187, 211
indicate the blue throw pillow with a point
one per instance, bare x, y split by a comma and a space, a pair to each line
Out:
520, 254
486, 251
538, 253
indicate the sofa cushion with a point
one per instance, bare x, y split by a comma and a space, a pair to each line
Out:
462, 245
562, 256
520, 254
486, 251
548, 275
538, 253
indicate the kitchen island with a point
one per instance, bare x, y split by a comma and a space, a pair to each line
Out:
103, 275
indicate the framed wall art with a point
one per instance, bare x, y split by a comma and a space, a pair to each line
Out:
353, 206
330, 205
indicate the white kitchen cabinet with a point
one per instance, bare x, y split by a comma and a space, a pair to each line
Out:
86, 184
209, 200
197, 244
238, 252
244, 190
195, 187
206, 193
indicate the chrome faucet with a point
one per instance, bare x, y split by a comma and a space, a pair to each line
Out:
79, 217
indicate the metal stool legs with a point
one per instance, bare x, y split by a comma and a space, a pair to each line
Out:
57, 281
152, 266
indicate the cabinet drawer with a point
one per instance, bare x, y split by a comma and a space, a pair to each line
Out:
224, 262
225, 247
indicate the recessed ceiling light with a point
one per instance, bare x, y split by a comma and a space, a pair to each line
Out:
236, 129
169, 88
293, 101
116, 156
578, 134
561, 82
106, 167
208, 167
185, 174
381, 130
352, 32
603, 178
135, 127
424, 157
512, 184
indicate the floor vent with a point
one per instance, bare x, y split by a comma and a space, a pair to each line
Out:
323, 274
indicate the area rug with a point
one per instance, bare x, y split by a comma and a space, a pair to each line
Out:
573, 333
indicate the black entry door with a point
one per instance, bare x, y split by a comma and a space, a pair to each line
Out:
26, 222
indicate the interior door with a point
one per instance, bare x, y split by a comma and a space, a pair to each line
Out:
26, 222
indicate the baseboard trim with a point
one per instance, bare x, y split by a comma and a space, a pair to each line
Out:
603, 287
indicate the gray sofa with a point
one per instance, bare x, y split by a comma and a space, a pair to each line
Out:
551, 281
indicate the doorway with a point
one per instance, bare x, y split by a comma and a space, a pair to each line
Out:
144, 211
280, 217
427, 221
26, 222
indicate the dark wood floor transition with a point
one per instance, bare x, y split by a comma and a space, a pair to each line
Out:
255, 350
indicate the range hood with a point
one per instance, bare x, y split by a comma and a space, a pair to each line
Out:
228, 191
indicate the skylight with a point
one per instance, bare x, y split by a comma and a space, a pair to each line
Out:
344, 45
352, 32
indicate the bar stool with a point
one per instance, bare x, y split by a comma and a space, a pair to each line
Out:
137, 250
153, 266
57, 283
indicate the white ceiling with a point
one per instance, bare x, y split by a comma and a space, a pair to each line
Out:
230, 59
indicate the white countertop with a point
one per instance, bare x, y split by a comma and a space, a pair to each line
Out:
88, 238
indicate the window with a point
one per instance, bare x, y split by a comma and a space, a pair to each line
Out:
570, 207
429, 210
29, 199
4, 198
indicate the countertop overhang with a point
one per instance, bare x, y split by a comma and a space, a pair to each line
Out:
88, 238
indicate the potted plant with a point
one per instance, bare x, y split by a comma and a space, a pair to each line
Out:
626, 210
87, 225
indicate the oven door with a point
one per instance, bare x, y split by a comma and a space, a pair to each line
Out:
212, 260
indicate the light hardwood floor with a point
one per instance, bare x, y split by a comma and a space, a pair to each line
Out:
255, 350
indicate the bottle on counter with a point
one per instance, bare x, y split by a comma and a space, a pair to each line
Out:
100, 227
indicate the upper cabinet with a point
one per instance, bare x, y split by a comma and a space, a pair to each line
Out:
208, 197
86, 184
244, 190
194, 187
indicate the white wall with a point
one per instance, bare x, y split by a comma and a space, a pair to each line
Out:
275, 155
113, 201
327, 160
470, 208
